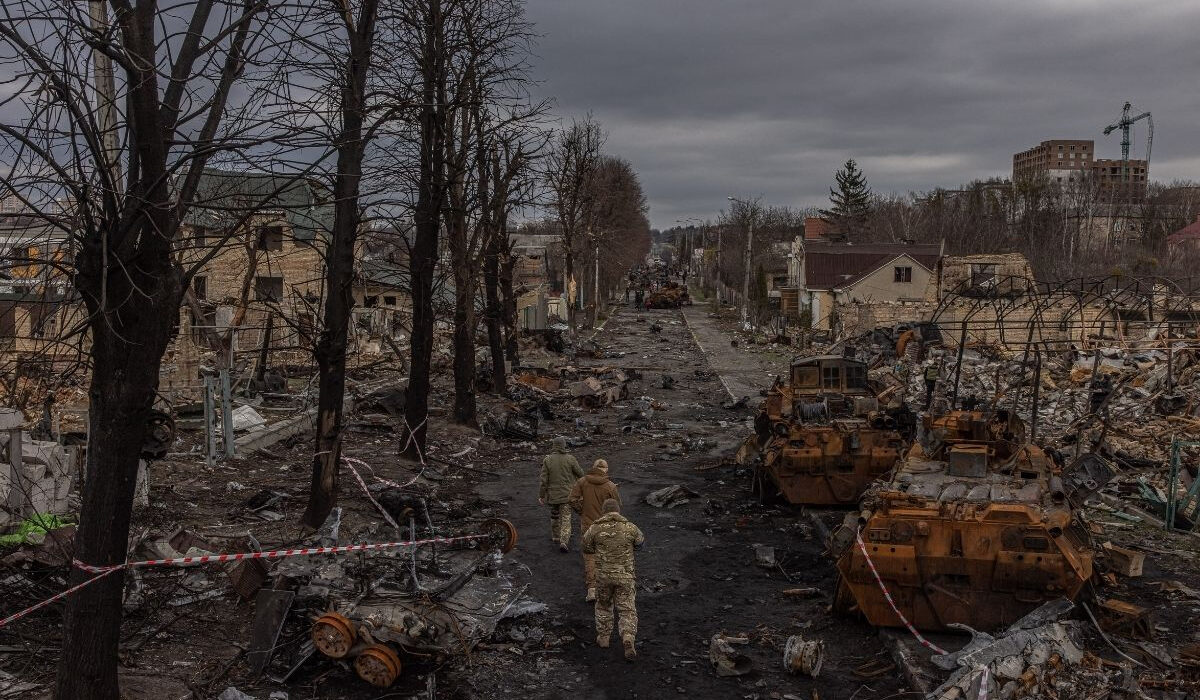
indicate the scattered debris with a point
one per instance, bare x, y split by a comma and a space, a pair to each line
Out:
803, 656
726, 660
670, 496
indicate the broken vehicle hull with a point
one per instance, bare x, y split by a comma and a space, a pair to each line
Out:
976, 532
821, 439
828, 465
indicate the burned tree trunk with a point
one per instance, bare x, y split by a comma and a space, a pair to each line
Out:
126, 352
427, 219
339, 269
512, 348
491, 287
464, 341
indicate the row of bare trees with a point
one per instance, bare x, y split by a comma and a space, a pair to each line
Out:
416, 115
1066, 229
597, 212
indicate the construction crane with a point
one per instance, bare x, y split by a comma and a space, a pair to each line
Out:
1123, 124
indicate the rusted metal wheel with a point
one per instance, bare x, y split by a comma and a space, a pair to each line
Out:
500, 533
333, 635
378, 665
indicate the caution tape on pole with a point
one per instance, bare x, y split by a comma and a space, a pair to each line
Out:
102, 571
888, 597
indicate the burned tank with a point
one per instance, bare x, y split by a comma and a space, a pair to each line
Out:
820, 437
976, 526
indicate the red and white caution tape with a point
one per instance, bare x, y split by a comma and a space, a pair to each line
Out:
56, 598
888, 597
102, 571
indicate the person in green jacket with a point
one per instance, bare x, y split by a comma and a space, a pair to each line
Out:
560, 471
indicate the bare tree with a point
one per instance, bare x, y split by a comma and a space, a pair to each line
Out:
571, 164
356, 24
427, 24
616, 219
118, 167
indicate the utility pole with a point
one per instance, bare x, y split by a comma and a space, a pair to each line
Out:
106, 95
720, 229
751, 208
596, 287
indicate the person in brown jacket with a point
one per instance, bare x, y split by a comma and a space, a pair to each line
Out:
587, 499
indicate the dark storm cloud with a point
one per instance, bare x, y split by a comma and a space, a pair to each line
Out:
715, 97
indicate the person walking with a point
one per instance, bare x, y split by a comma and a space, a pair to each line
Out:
612, 539
587, 499
931, 378
560, 471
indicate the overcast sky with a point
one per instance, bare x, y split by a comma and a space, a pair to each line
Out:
709, 98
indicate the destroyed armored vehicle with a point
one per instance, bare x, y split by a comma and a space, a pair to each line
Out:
669, 296
821, 437
975, 527
453, 603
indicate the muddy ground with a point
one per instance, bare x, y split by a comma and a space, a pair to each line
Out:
697, 571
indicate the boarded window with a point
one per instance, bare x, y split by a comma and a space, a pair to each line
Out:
270, 238
903, 274
268, 288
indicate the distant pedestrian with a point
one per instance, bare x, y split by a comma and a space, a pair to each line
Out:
612, 540
560, 471
587, 499
638, 299
931, 378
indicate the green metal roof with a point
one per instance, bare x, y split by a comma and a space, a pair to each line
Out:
226, 197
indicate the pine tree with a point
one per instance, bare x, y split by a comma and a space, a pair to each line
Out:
851, 200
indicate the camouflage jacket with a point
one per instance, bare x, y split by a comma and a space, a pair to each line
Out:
559, 473
612, 539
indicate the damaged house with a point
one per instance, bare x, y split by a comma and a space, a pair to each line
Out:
38, 307
830, 280
259, 241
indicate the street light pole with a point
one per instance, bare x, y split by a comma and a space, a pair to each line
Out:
749, 248
720, 229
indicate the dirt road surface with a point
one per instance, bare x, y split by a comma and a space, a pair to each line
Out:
697, 572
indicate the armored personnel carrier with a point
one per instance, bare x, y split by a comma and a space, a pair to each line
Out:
976, 526
820, 437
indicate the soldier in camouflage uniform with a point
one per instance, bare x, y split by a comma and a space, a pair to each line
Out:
612, 539
560, 471
587, 499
